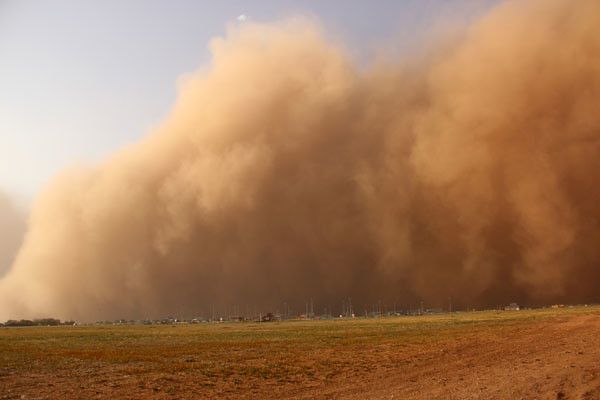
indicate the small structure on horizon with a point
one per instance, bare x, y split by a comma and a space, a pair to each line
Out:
268, 317
512, 307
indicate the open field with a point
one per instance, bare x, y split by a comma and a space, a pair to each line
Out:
539, 354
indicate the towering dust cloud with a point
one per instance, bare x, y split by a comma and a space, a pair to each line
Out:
286, 173
12, 229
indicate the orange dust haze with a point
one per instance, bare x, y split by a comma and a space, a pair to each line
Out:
285, 172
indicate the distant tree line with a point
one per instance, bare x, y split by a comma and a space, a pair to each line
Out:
36, 322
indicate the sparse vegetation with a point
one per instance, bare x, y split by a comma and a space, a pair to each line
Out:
37, 322
295, 359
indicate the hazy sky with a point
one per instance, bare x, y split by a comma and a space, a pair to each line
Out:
79, 79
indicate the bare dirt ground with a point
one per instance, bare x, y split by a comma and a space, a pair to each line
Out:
546, 360
521, 355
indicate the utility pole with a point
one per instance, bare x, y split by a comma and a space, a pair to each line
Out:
450, 304
350, 312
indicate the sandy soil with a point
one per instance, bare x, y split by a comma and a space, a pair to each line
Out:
556, 358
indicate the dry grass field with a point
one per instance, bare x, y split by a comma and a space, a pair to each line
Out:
538, 354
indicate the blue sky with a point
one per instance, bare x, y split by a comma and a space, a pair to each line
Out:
79, 79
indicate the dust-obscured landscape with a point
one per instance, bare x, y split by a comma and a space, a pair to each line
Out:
528, 354
287, 170
212, 183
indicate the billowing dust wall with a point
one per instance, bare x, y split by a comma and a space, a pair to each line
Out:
12, 229
284, 172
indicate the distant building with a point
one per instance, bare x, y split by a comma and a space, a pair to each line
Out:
512, 307
269, 317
